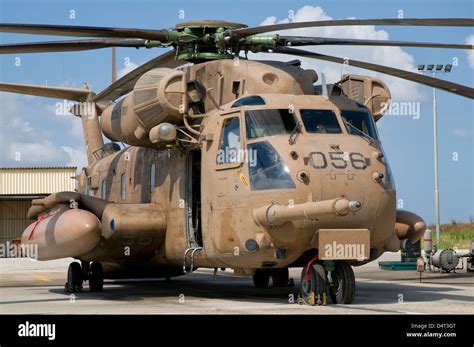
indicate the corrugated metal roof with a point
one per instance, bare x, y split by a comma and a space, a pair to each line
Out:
36, 180
37, 167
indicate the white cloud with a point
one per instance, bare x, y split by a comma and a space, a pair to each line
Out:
78, 156
28, 139
470, 53
37, 153
388, 56
21, 125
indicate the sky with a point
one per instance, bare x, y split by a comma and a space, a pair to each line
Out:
32, 133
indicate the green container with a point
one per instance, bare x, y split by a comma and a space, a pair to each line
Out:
397, 265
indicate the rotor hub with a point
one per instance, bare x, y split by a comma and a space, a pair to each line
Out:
205, 40
211, 24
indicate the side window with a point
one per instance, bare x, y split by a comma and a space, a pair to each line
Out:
229, 145
103, 189
152, 177
122, 186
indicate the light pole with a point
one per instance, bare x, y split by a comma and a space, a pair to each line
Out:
436, 69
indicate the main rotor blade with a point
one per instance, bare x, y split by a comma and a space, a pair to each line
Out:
126, 83
50, 92
454, 88
68, 46
84, 31
316, 41
455, 22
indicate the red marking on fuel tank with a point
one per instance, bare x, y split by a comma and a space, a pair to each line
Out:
34, 226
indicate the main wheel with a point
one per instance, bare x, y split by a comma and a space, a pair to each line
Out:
74, 278
261, 278
280, 277
313, 284
342, 290
96, 278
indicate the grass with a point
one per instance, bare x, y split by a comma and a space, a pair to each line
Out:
455, 234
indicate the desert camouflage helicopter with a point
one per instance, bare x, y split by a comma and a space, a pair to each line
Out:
231, 163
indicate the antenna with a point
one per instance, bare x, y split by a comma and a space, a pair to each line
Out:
324, 86
114, 67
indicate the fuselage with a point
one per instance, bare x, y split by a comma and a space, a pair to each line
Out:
255, 157
261, 168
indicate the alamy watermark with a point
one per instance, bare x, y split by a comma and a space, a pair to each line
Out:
336, 250
68, 108
402, 108
17, 250
233, 155
28, 329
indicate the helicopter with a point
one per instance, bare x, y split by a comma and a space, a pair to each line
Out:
229, 162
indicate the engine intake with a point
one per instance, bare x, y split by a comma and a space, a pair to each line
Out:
160, 95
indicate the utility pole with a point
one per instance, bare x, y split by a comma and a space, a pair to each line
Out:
438, 69
114, 67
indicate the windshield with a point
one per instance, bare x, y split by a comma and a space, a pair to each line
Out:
268, 171
268, 122
361, 120
320, 121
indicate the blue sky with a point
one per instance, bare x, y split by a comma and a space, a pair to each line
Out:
47, 139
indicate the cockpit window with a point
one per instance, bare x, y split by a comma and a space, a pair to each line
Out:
229, 146
249, 101
320, 121
267, 170
361, 120
269, 122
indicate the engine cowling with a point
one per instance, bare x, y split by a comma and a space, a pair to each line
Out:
160, 95
369, 91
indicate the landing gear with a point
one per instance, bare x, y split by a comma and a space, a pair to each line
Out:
342, 289
313, 284
76, 274
74, 278
96, 277
280, 277
261, 278
316, 282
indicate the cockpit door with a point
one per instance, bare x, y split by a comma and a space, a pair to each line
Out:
222, 186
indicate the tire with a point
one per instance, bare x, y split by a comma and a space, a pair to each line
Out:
74, 278
315, 284
343, 290
261, 278
96, 279
280, 277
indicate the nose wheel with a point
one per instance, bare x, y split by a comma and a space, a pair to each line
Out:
313, 284
316, 282
342, 288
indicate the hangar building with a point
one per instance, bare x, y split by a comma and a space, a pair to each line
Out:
18, 186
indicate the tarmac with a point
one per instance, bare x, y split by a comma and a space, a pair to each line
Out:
34, 287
